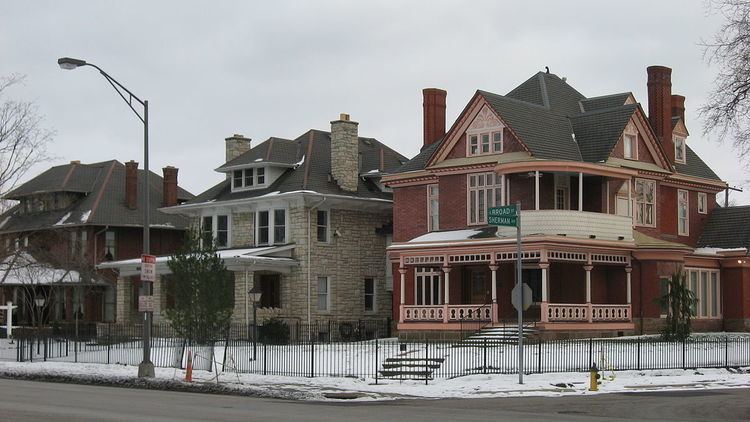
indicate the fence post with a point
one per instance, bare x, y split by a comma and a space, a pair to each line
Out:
638, 339
683, 353
264, 358
376, 361
312, 357
591, 348
484, 366
426, 360
109, 342
75, 345
45, 348
726, 351
539, 358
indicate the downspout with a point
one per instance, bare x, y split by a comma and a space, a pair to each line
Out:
309, 251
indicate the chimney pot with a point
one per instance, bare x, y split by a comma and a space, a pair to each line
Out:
678, 107
75, 162
131, 184
170, 186
433, 106
344, 117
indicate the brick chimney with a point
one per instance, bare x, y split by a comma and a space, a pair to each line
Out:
660, 106
678, 107
170, 186
131, 184
345, 153
236, 145
434, 114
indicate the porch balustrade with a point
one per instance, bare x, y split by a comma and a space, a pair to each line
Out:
584, 312
436, 313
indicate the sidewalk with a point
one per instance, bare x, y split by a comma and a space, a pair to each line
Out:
357, 389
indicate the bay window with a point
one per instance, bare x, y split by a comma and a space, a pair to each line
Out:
485, 190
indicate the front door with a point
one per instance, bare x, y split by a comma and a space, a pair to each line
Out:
476, 287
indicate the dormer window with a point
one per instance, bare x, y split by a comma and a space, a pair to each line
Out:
628, 146
679, 149
249, 178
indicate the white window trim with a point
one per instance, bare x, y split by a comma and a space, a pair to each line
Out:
684, 149
489, 132
496, 184
430, 197
271, 224
686, 232
428, 272
328, 294
374, 296
317, 225
635, 203
703, 195
255, 185
633, 146
565, 187
709, 294
215, 228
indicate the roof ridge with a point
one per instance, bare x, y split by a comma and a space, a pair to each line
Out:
105, 182
599, 97
543, 89
308, 157
505, 97
602, 110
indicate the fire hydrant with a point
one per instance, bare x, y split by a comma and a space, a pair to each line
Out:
594, 378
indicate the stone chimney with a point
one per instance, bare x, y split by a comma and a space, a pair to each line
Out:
434, 114
131, 184
170, 186
660, 106
236, 145
678, 107
345, 153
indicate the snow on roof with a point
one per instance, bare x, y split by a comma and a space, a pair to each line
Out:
62, 220
85, 216
444, 236
24, 269
718, 251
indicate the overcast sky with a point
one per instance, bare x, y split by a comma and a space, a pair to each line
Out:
277, 68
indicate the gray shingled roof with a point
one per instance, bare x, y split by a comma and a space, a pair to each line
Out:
420, 160
101, 187
275, 150
727, 228
313, 173
604, 101
695, 166
551, 92
598, 131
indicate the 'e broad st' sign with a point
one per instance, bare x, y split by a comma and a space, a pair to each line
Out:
502, 216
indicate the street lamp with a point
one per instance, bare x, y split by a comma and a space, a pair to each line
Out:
255, 294
146, 368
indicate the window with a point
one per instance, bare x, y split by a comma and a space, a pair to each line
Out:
484, 191
485, 143
679, 149
622, 201
702, 203
271, 227
628, 144
270, 288
249, 178
645, 192
215, 228
562, 197
705, 284
324, 294
110, 245
427, 289
369, 294
323, 225
683, 225
433, 208
533, 278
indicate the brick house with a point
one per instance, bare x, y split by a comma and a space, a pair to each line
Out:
613, 201
69, 219
307, 220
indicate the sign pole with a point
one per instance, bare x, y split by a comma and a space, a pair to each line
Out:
519, 282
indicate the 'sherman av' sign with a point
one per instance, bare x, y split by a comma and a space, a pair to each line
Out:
502, 216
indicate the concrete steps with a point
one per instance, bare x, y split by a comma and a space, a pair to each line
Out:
498, 335
410, 368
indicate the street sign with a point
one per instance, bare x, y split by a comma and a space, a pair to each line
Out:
502, 216
148, 268
527, 296
145, 304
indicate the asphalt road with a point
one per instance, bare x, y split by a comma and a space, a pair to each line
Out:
40, 401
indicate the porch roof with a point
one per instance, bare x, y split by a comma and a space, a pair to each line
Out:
266, 258
23, 269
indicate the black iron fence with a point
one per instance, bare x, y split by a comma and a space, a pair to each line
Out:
362, 349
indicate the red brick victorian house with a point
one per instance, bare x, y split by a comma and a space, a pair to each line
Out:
613, 202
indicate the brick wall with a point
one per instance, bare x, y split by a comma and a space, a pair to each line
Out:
410, 212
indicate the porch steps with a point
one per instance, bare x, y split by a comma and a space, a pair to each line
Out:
496, 336
410, 368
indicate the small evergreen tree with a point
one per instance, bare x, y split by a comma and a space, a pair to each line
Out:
202, 289
680, 303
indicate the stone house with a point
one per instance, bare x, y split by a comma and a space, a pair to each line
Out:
613, 200
307, 220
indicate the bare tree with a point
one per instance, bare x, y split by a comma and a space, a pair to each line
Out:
23, 140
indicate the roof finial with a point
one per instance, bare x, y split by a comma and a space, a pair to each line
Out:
547, 68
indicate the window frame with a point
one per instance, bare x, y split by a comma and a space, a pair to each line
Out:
271, 226
702, 203
475, 217
373, 305
257, 177
431, 276
637, 202
682, 148
113, 240
433, 219
683, 205
475, 141
707, 289
215, 229
327, 293
632, 139
326, 226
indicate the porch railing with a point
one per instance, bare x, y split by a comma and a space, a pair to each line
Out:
437, 313
585, 312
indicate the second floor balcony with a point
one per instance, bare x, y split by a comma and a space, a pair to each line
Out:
574, 224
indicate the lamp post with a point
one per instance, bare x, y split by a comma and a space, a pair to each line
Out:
255, 294
146, 368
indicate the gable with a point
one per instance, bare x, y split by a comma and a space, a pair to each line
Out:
641, 151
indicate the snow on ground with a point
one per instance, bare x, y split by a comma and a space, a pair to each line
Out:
324, 388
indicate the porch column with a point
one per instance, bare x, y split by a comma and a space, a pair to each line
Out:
628, 270
545, 287
630, 201
502, 190
588, 269
536, 190
580, 191
493, 268
446, 295
402, 271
